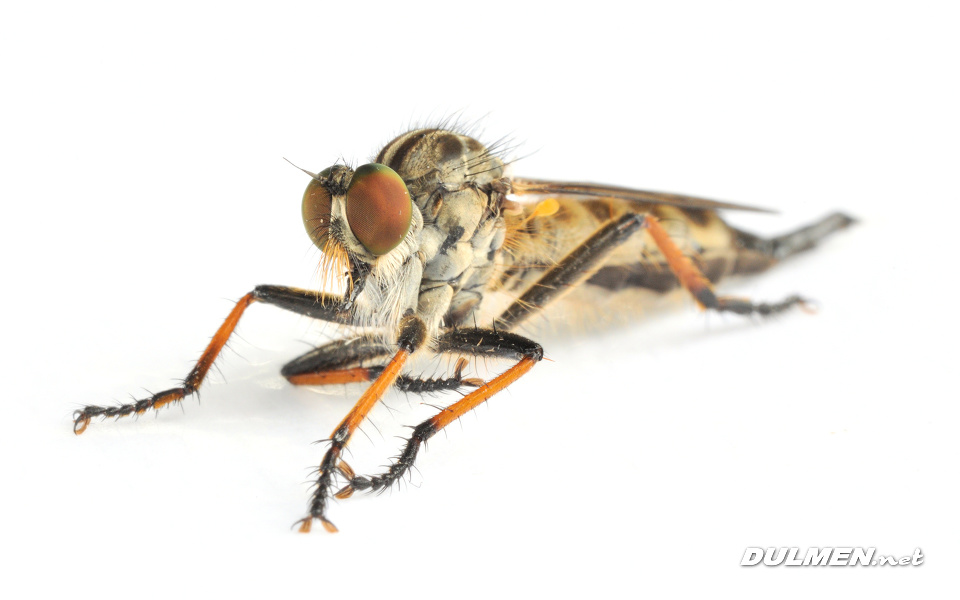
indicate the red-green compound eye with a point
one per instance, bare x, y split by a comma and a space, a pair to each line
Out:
378, 208
316, 212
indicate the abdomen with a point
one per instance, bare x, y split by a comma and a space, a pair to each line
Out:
634, 276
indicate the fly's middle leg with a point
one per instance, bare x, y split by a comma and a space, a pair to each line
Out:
477, 342
411, 335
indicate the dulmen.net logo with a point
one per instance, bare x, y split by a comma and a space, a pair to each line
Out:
826, 557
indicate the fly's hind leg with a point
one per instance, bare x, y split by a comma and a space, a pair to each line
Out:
580, 264
695, 282
477, 342
302, 302
572, 269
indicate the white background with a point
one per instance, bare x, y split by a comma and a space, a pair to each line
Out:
144, 191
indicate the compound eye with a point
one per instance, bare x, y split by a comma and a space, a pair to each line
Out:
379, 209
316, 212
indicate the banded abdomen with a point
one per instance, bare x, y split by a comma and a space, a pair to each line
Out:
542, 234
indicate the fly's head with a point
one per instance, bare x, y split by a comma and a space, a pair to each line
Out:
364, 221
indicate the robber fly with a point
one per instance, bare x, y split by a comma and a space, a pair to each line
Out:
428, 232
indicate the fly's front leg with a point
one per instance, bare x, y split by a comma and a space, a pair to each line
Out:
420, 385
411, 335
360, 359
478, 342
349, 360
304, 302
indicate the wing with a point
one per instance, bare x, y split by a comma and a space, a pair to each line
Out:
541, 187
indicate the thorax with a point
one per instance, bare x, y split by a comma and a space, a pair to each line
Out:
451, 179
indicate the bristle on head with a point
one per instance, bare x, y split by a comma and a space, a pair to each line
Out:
334, 266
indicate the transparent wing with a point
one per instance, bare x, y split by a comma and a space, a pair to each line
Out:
538, 187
